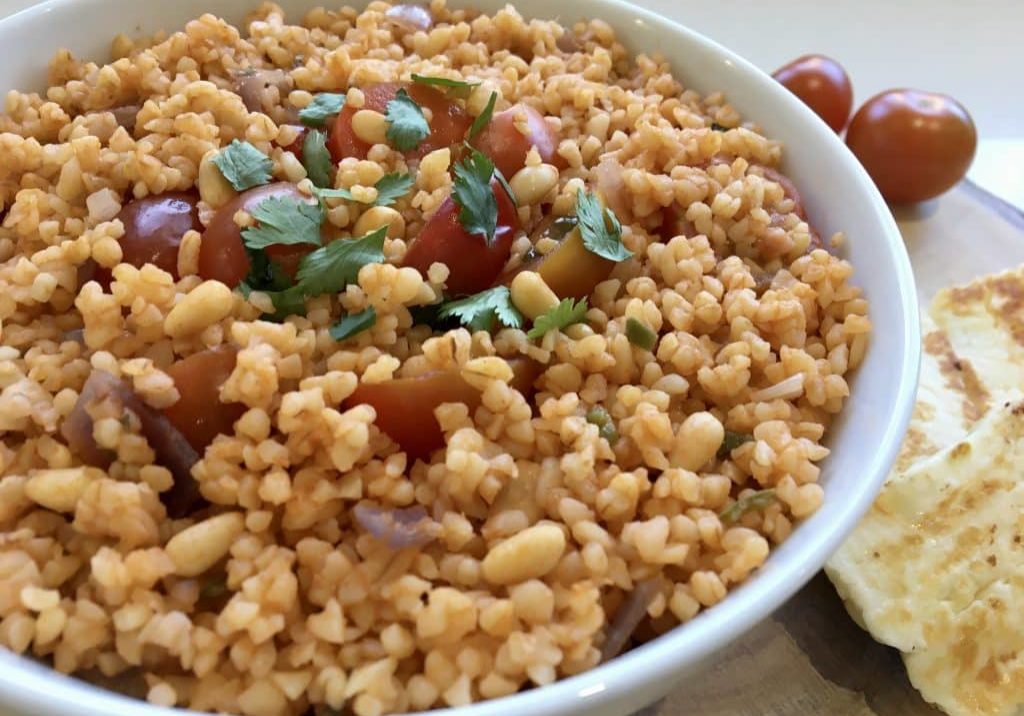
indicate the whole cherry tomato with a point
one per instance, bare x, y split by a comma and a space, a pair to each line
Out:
822, 84
915, 145
153, 228
448, 122
199, 414
503, 140
473, 262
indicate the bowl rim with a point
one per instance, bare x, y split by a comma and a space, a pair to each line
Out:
39, 689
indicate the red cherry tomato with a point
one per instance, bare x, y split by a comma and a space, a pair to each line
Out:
822, 84
448, 123
507, 146
222, 254
153, 227
199, 414
405, 406
473, 263
915, 145
296, 146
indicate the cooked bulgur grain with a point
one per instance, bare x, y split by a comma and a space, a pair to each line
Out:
277, 435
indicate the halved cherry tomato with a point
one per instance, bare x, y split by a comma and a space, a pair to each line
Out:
822, 84
153, 227
199, 414
222, 254
405, 406
296, 146
507, 146
448, 123
915, 145
473, 262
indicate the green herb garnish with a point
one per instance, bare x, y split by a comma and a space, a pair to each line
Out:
390, 188
640, 335
353, 324
478, 209
600, 228
454, 88
561, 316
483, 118
406, 125
333, 266
243, 165
731, 441
323, 106
283, 220
317, 160
756, 501
605, 425
479, 311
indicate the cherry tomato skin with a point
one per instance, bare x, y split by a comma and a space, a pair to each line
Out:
473, 263
448, 123
222, 255
915, 145
507, 146
822, 84
153, 228
199, 414
296, 146
405, 406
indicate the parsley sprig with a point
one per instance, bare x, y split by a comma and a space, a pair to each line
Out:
354, 323
335, 265
243, 165
600, 228
480, 311
406, 125
478, 207
283, 220
323, 106
390, 188
560, 317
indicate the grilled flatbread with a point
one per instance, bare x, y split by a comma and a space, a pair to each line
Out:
936, 568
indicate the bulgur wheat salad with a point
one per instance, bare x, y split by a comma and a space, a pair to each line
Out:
394, 359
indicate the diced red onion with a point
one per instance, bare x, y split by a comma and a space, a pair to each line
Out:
171, 448
608, 179
410, 17
628, 617
398, 527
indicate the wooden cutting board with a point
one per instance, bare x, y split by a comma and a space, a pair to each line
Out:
809, 658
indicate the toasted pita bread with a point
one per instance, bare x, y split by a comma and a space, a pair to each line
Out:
936, 567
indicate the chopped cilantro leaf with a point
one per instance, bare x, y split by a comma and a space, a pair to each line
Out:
561, 316
731, 441
317, 160
289, 302
756, 501
283, 220
352, 324
317, 112
600, 228
640, 335
406, 125
243, 165
478, 209
479, 311
455, 88
332, 267
390, 188
268, 277
430, 315
483, 118
506, 186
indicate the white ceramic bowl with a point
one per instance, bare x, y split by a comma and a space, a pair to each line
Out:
839, 196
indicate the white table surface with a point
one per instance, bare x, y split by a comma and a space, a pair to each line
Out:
973, 51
